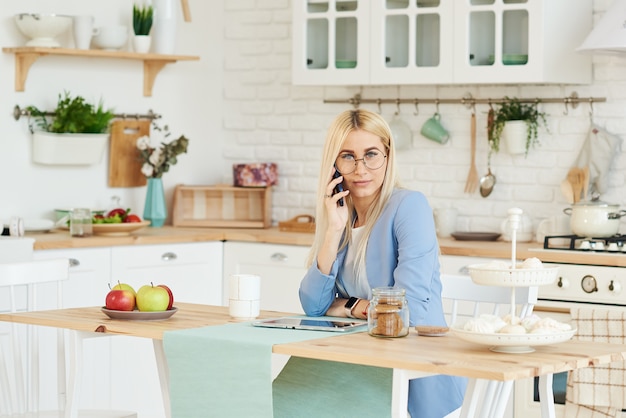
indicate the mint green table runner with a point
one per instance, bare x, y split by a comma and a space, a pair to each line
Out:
225, 371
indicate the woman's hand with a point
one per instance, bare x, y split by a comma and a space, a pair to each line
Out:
337, 219
337, 214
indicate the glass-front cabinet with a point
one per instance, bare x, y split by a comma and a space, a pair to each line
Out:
331, 42
412, 42
521, 41
364, 42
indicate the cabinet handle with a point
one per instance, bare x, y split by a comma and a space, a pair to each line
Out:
74, 262
169, 257
279, 257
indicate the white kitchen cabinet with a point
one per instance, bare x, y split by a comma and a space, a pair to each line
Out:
330, 42
383, 42
90, 269
521, 41
281, 268
193, 271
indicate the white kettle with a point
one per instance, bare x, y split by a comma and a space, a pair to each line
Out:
525, 232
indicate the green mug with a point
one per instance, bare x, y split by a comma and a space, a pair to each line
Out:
433, 130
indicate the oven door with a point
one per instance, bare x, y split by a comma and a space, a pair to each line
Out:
526, 390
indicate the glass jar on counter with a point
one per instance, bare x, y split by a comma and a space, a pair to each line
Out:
388, 313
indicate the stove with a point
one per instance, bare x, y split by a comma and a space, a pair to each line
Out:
613, 244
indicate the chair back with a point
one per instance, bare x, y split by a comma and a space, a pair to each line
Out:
28, 286
463, 299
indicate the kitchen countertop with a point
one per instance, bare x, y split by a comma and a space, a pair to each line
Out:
60, 239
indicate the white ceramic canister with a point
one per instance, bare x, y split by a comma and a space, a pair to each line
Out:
165, 26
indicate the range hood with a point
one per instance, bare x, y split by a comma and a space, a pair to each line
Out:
609, 34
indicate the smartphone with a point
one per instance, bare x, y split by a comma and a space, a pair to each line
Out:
339, 187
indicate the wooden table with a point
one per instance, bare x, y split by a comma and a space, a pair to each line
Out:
413, 354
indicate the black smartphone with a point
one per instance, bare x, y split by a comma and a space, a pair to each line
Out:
339, 187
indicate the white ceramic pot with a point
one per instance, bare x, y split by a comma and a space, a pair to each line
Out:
68, 149
514, 134
594, 219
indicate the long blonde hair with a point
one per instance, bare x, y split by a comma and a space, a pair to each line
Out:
338, 131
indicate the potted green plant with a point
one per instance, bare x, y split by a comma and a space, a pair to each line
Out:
518, 124
75, 133
142, 23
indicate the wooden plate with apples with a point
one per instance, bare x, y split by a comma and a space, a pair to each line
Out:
149, 303
139, 315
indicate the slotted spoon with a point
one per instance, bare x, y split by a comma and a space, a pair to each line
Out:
472, 177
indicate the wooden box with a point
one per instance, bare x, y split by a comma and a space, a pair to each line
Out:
222, 206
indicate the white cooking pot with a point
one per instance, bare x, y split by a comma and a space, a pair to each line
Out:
594, 218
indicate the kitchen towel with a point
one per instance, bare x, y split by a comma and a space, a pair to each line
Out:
226, 371
597, 391
598, 152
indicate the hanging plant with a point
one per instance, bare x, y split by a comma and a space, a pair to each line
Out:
514, 110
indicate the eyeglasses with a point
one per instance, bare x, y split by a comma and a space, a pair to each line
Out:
373, 159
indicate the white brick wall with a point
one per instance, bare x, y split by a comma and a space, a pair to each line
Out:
268, 119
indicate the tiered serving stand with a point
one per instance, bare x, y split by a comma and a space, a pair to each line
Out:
513, 277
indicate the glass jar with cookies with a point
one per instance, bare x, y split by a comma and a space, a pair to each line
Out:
388, 313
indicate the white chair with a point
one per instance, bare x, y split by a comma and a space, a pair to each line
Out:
462, 298
30, 286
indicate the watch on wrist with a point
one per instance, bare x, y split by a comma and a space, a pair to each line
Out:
349, 306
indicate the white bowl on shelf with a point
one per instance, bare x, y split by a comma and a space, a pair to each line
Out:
42, 28
110, 38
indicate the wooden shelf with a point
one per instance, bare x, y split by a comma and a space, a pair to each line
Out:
152, 63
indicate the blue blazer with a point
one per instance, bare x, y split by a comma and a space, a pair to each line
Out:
402, 251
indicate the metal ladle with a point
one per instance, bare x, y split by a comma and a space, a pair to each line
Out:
488, 180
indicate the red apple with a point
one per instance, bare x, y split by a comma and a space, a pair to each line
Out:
120, 300
169, 291
151, 298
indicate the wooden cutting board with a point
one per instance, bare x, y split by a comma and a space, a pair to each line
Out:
124, 160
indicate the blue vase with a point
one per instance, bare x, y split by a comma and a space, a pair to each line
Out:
155, 209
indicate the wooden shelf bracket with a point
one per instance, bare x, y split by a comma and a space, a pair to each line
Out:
151, 69
22, 66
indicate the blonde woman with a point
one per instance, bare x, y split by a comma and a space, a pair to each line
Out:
374, 234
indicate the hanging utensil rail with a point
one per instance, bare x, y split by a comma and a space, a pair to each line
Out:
468, 101
18, 113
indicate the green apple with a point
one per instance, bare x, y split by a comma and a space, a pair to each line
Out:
124, 286
151, 298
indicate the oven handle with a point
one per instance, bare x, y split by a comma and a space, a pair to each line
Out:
552, 309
